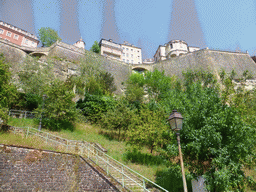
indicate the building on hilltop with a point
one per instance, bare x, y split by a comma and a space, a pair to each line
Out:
110, 49
131, 54
17, 36
172, 49
125, 52
80, 43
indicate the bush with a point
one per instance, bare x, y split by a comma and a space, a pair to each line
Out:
171, 179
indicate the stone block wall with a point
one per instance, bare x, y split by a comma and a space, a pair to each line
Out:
23, 169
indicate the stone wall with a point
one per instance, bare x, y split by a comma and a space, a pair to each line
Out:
11, 52
24, 169
209, 60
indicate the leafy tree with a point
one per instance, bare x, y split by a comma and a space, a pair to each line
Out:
93, 79
48, 36
95, 47
8, 92
59, 109
150, 131
35, 78
93, 106
215, 141
134, 89
120, 117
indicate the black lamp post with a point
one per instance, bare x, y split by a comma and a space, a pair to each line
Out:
40, 123
176, 120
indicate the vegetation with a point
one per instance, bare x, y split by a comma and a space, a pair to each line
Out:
48, 36
218, 136
95, 47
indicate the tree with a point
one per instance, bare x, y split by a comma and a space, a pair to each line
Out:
35, 78
95, 47
59, 109
48, 36
8, 92
150, 130
120, 117
216, 143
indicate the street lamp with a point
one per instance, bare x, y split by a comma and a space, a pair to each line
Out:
40, 123
176, 120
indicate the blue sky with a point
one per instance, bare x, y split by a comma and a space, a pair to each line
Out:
226, 24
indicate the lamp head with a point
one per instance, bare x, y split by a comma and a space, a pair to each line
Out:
175, 120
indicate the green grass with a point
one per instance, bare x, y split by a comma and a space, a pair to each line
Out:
22, 122
21, 140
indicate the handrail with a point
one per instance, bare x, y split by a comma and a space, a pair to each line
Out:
69, 143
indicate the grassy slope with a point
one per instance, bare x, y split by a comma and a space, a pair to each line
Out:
84, 132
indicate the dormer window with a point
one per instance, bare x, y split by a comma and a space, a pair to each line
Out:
1, 31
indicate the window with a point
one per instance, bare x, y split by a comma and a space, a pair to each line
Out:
132, 61
131, 49
139, 62
131, 55
16, 37
123, 48
1, 31
138, 51
7, 39
123, 60
26, 41
127, 61
127, 55
123, 54
126, 49
9, 34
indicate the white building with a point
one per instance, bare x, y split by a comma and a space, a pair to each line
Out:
131, 54
125, 52
172, 49
110, 49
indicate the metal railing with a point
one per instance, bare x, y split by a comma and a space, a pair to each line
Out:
128, 178
22, 114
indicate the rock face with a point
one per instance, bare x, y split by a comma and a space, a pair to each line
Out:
23, 169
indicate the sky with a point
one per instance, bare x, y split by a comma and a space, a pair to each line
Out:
216, 24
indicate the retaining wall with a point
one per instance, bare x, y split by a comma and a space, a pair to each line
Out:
27, 169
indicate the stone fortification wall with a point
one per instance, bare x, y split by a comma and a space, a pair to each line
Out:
12, 52
209, 60
120, 71
23, 169
66, 51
